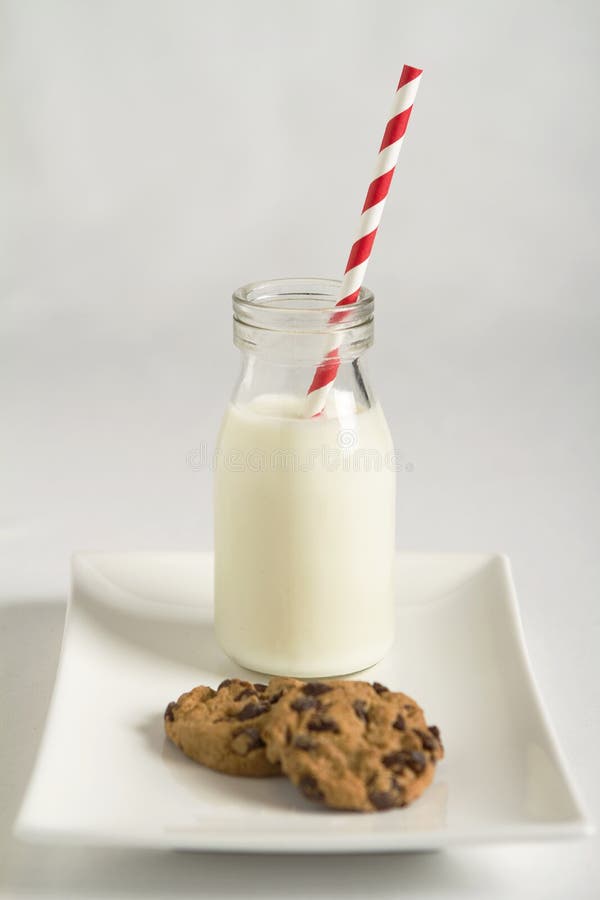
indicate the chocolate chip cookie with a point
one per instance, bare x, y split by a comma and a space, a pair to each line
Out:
353, 745
222, 729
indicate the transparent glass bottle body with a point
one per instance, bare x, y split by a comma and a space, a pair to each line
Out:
304, 503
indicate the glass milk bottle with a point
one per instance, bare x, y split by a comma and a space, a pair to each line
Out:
304, 504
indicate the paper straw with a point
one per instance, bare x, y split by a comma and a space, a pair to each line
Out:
362, 247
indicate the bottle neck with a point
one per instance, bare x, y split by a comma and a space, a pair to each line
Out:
261, 377
287, 327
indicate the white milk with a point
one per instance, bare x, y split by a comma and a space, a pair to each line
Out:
304, 538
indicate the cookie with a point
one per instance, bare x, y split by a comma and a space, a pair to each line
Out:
353, 745
222, 729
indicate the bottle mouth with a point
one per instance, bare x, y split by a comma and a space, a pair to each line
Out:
300, 305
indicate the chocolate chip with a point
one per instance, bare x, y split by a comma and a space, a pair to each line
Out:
399, 723
380, 688
251, 710
400, 791
360, 708
302, 703
309, 786
314, 688
246, 739
396, 760
276, 697
320, 723
382, 799
303, 742
435, 732
247, 692
288, 735
401, 759
169, 714
261, 688
426, 740
224, 684
417, 762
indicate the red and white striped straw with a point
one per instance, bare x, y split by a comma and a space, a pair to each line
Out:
372, 210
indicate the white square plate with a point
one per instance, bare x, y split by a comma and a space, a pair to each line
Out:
139, 633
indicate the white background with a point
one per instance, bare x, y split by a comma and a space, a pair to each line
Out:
157, 155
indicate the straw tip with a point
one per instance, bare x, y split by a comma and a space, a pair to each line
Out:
409, 73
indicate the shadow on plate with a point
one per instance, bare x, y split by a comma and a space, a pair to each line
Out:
191, 643
181, 633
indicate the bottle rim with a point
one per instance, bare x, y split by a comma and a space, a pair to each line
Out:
300, 304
